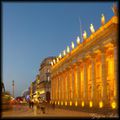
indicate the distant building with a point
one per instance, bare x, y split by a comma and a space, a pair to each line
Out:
44, 79
32, 88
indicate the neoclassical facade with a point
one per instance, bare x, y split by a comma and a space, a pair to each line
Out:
44, 83
87, 75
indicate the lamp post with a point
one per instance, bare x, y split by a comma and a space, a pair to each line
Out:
13, 87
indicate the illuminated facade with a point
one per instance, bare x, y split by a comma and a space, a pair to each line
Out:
87, 75
44, 83
32, 89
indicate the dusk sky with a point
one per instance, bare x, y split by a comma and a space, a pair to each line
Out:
33, 31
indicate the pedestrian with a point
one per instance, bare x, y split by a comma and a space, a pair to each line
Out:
29, 103
32, 103
35, 106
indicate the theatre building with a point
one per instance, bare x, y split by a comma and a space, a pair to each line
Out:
86, 75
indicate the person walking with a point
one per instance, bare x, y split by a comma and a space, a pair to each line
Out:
29, 103
35, 106
32, 103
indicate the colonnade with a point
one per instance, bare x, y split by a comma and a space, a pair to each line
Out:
91, 81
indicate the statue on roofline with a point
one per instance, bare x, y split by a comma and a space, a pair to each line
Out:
115, 9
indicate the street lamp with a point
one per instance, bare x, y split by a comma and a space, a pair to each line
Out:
13, 87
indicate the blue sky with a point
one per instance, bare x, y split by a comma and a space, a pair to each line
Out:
34, 31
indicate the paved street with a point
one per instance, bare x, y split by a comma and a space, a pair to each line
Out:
25, 111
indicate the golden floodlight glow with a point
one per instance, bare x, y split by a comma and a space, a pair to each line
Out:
84, 35
90, 104
55, 102
100, 104
64, 53
113, 105
78, 40
72, 45
65, 103
57, 59
60, 56
102, 19
68, 49
52, 63
58, 102
92, 30
83, 104
70, 103
61, 102
76, 103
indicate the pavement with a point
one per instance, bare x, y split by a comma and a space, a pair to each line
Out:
24, 111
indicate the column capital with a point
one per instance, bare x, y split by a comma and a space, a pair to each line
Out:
84, 59
93, 55
69, 67
78, 63
102, 50
115, 44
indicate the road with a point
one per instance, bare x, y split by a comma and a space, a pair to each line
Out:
25, 111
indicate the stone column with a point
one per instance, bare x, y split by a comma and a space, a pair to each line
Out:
57, 86
73, 85
82, 82
64, 90
53, 90
85, 83
78, 83
93, 79
115, 72
60, 86
104, 78
75, 82
55, 82
68, 84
